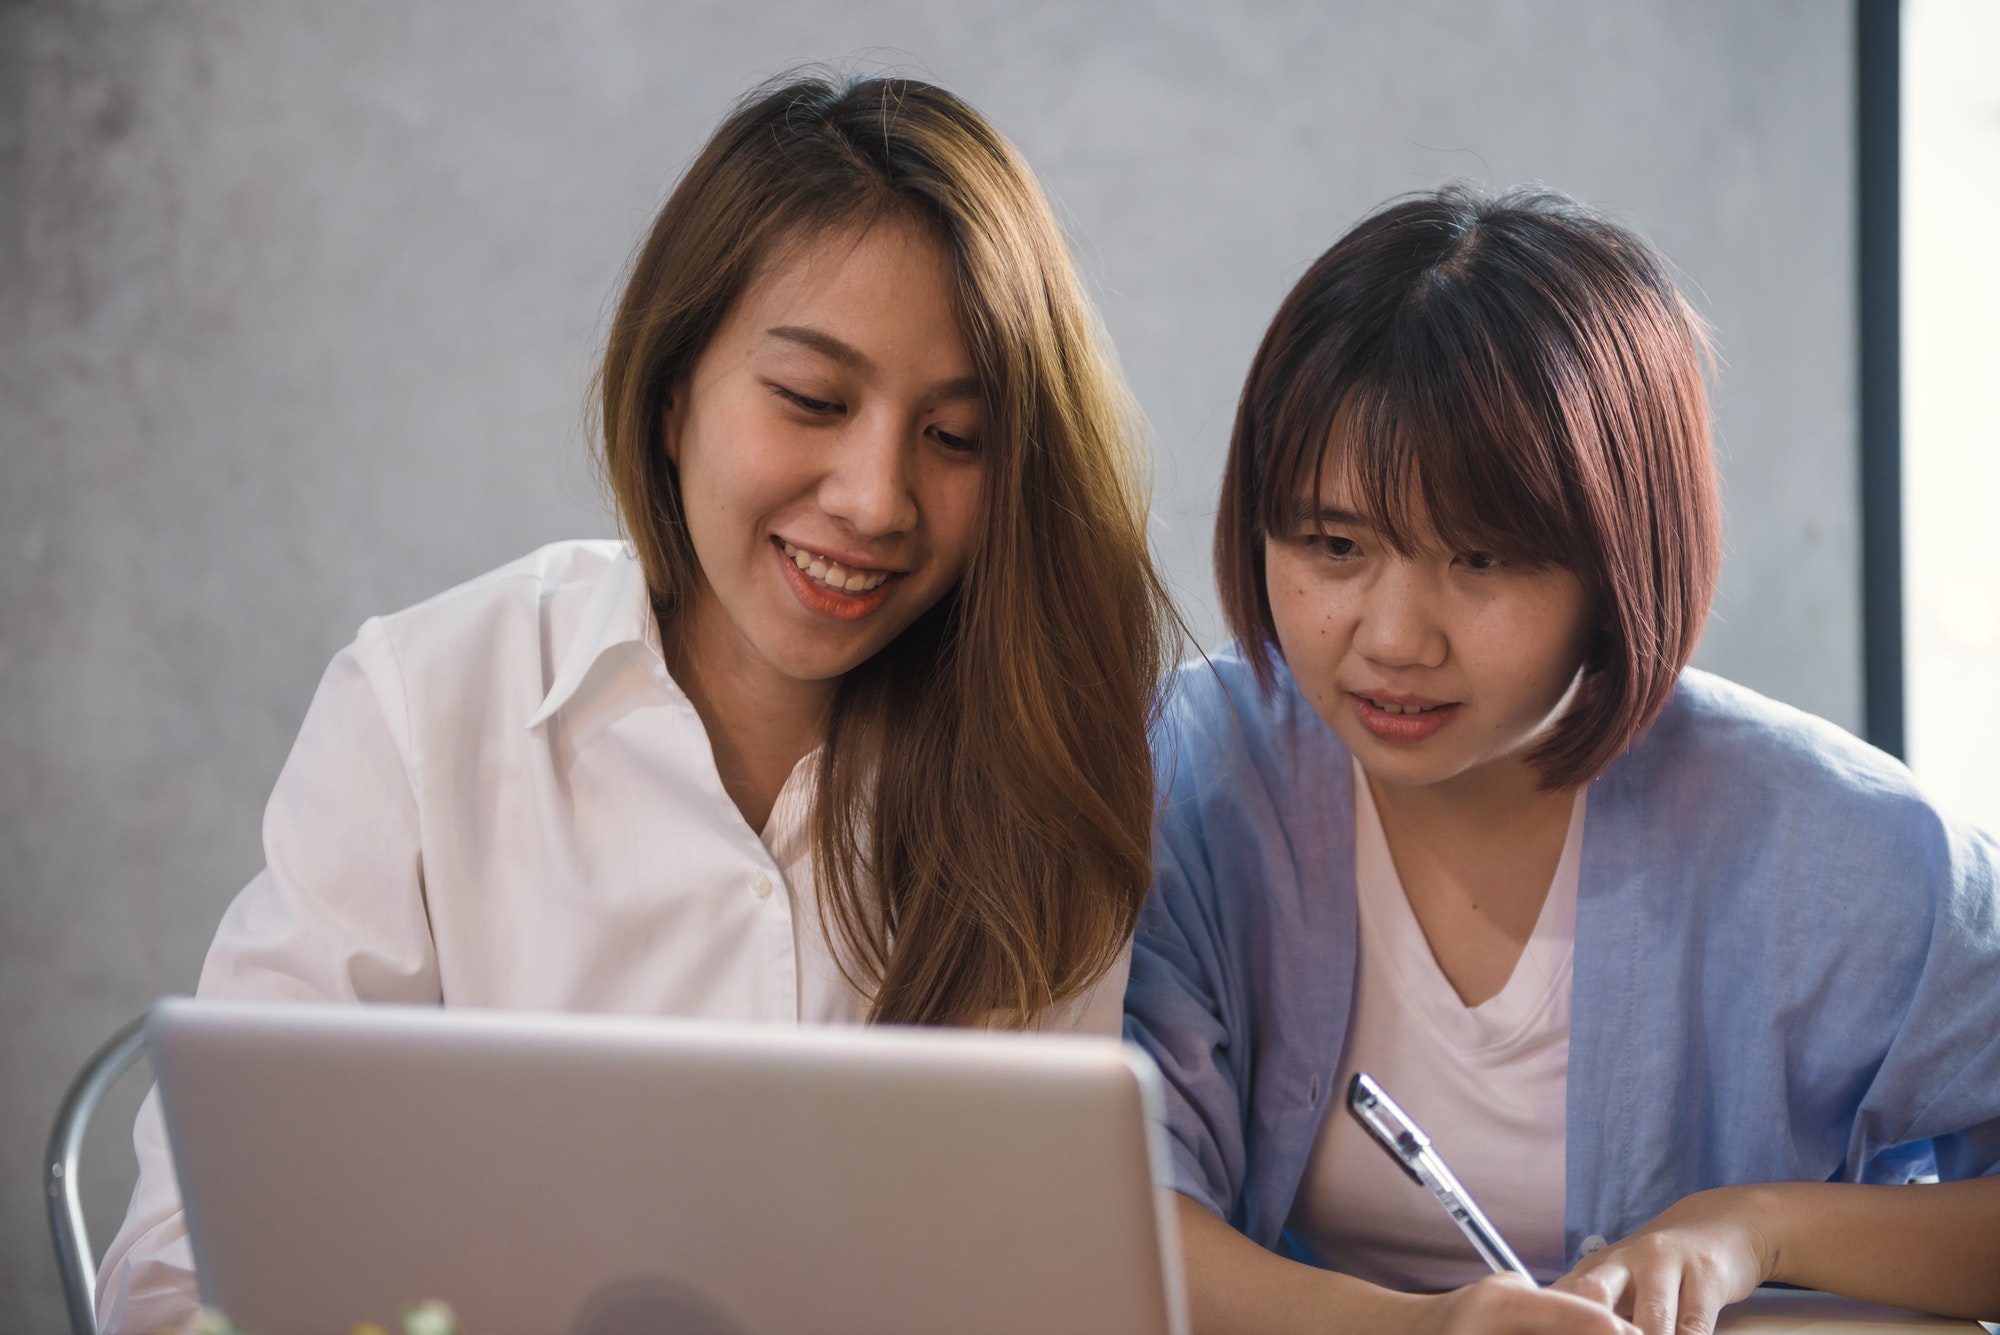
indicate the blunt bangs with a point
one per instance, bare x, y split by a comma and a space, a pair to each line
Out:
1425, 473
1511, 375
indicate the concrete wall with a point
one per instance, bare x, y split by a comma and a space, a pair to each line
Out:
297, 303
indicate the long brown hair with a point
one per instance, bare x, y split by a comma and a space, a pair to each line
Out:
982, 819
1517, 375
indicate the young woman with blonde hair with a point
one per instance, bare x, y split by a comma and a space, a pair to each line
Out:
852, 728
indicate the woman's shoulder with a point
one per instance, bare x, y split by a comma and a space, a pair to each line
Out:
510, 640
1215, 701
1714, 729
1725, 758
539, 599
1206, 687
558, 570
1220, 720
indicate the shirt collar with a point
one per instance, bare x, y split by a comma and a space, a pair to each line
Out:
618, 613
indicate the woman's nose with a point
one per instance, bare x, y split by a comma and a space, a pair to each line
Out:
1399, 626
871, 485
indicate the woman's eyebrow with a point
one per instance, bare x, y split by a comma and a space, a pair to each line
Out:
1326, 516
846, 354
824, 344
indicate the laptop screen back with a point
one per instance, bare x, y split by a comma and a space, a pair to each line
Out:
591, 1174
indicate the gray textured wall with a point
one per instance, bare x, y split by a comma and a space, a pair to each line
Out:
297, 304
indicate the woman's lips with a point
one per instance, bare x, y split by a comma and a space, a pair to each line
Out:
841, 604
1396, 724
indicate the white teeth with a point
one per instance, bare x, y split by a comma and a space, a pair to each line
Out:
831, 573
1403, 709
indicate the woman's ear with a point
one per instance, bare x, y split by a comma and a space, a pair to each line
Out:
671, 420
1603, 639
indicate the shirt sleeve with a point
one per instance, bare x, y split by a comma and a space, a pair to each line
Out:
1940, 1080
1177, 1009
337, 914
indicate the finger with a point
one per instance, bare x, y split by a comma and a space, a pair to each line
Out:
1593, 1318
1703, 1296
1603, 1283
1656, 1299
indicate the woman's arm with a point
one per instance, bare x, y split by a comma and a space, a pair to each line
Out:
337, 914
1932, 1247
1237, 1287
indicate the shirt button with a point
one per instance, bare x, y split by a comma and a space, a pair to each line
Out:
1594, 1243
760, 886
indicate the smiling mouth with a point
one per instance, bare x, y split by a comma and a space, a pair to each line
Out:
830, 575
1388, 708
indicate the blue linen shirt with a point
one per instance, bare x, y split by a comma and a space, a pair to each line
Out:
1787, 962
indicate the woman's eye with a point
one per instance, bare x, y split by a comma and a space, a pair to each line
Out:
954, 442
817, 407
1478, 560
1332, 544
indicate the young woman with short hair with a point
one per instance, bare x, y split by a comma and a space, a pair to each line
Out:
840, 735
1677, 978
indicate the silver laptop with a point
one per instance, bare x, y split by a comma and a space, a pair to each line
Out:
597, 1175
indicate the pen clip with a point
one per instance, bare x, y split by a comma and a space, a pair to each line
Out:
1391, 1128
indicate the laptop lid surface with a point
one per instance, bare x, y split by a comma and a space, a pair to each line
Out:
598, 1175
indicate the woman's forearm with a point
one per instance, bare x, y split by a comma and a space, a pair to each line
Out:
1932, 1247
1236, 1287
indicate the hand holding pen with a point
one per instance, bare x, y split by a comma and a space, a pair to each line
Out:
1488, 1306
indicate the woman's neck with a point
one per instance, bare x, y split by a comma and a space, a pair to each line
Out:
760, 722
1476, 856
1494, 803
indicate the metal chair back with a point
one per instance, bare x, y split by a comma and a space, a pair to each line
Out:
75, 1262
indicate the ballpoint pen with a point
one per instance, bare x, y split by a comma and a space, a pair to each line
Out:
1407, 1144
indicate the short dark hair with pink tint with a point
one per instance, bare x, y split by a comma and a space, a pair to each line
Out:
1513, 374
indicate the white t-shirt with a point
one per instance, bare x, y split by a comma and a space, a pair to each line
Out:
1486, 1082
500, 797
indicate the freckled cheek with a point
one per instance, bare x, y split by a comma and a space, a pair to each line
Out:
1309, 629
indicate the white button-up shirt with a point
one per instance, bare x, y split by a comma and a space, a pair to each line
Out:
500, 797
